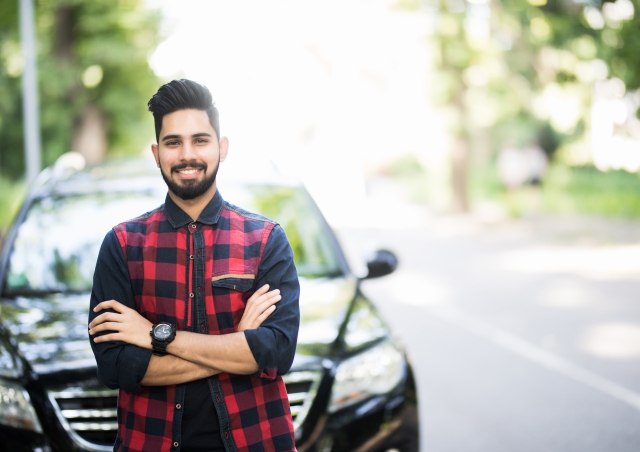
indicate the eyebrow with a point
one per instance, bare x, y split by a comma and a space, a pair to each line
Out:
195, 135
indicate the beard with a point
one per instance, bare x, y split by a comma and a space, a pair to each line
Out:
190, 189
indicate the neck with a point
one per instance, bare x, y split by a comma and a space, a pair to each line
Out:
194, 207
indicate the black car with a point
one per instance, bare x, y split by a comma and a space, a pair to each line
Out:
350, 387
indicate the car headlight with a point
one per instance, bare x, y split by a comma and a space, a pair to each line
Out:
15, 407
375, 371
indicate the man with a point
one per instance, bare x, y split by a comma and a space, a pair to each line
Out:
181, 320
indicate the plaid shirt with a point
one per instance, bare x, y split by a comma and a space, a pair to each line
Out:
198, 276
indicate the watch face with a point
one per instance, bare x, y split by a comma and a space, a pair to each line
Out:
162, 332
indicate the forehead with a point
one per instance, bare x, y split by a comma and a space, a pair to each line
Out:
186, 122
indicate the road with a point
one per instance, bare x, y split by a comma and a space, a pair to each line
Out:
525, 335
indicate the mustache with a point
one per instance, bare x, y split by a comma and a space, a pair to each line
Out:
182, 166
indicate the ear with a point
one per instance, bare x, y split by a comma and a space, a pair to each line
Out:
224, 148
154, 150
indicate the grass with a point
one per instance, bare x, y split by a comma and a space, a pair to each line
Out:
568, 190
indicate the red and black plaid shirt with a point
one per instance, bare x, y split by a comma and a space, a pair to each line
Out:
198, 276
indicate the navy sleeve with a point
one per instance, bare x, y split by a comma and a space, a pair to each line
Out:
273, 344
120, 365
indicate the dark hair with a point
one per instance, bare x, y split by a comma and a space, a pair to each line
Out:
181, 95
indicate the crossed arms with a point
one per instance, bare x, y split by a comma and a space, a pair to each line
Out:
120, 339
191, 355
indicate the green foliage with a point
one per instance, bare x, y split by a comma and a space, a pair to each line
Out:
534, 55
588, 190
11, 196
411, 175
620, 47
406, 166
89, 53
577, 189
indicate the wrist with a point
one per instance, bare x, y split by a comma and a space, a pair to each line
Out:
162, 334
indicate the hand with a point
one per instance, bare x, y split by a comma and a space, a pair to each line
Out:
259, 306
126, 325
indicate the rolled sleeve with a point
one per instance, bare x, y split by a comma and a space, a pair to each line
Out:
273, 344
120, 365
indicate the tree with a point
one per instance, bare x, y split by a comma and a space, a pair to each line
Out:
94, 79
522, 71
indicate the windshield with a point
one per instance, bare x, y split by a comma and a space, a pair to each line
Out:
58, 243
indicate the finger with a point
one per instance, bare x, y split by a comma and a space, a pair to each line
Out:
261, 291
267, 296
107, 326
106, 317
110, 304
107, 338
273, 293
268, 302
262, 317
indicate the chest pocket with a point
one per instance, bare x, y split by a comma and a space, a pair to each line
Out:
230, 295
241, 283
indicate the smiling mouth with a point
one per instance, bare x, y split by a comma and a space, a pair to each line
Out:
188, 171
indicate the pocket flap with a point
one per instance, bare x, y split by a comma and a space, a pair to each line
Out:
240, 282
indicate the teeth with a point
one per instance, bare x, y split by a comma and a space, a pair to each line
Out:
188, 171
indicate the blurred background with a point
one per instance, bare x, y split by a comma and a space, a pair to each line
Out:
494, 146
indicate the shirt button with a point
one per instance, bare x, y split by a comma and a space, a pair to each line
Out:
191, 295
191, 256
176, 444
178, 406
193, 226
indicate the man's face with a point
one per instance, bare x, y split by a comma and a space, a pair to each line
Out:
188, 153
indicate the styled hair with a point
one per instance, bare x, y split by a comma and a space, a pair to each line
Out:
181, 95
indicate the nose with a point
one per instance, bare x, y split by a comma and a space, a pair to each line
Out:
187, 152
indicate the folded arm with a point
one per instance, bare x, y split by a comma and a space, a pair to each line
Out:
267, 346
171, 370
264, 344
120, 365
273, 343
192, 355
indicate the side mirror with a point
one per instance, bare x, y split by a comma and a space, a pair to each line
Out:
383, 262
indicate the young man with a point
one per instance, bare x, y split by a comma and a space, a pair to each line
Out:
181, 320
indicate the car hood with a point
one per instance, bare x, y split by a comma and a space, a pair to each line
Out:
51, 331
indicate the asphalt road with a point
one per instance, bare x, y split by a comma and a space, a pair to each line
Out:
525, 336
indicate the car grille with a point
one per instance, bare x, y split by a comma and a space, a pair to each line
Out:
301, 389
90, 415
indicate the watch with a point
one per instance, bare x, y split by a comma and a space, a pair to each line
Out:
161, 335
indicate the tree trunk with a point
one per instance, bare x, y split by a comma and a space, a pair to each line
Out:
459, 166
90, 135
460, 151
63, 45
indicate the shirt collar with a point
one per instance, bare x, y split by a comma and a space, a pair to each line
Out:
178, 217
